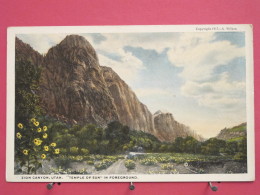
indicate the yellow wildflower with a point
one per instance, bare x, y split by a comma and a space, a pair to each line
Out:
33, 120
36, 123
45, 128
20, 125
57, 151
25, 152
46, 148
45, 135
37, 141
43, 156
53, 144
39, 129
18, 135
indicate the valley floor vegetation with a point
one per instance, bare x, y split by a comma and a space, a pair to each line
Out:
96, 149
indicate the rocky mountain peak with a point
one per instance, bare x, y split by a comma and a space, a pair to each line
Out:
72, 41
24, 51
76, 50
76, 89
73, 87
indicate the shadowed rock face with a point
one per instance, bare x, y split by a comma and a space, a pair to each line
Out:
131, 111
24, 51
76, 89
73, 86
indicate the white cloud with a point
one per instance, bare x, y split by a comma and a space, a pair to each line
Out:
222, 94
127, 68
199, 55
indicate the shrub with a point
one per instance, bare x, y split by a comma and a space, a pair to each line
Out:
90, 162
149, 161
130, 164
74, 150
104, 164
163, 159
84, 151
240, 156
33, 145
167, 166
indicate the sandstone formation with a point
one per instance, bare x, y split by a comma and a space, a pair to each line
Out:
167, 128
76, 89
73, 85
131, 111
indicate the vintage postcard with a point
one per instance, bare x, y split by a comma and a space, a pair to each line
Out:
130, 104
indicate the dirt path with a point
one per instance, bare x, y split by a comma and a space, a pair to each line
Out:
119, 168
183, 170
116, 168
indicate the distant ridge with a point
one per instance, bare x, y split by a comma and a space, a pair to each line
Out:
234, 132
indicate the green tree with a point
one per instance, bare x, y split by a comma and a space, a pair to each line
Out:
179, 144
231, 147
117, 135
191, 145
213, 146
242, 150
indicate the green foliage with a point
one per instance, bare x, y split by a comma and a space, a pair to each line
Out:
167, 166
187, 144
33, 145
182, 158
27, 102
213, 146
104, 164
118, 135
236, 139
130, 164
84, 151
118, 139
90, 162
231, 147
240, 156
240, 128
149, 161
74, 150
242, 150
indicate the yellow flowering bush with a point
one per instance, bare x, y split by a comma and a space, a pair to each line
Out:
149, 161
33, 145
129, 164
167, 166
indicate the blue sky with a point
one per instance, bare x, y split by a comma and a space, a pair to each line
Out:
198, 77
